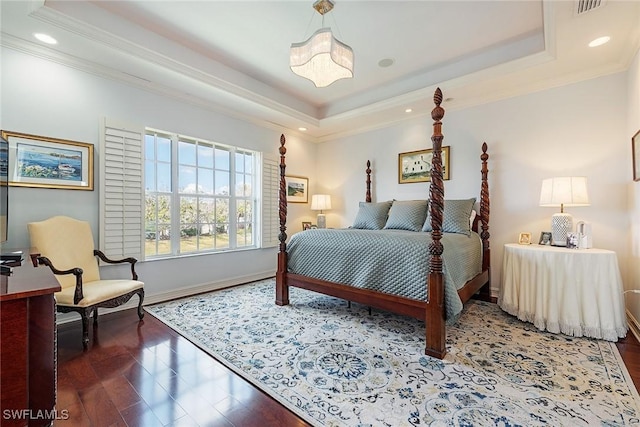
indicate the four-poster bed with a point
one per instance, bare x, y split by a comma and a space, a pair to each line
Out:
431, 308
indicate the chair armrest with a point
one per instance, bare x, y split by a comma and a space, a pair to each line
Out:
130, 260
76, 271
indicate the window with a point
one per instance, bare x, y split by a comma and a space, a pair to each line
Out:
199, 195
230, 202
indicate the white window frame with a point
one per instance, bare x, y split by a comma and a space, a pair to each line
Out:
122, 234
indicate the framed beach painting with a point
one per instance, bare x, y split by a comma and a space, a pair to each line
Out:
39, 161
415, 166
297, 189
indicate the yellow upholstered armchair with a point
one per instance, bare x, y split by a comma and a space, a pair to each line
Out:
66, 246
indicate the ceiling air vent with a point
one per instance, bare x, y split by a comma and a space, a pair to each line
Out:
584, 6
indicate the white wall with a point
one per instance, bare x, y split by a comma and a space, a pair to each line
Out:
578, 129
633, 126
44, 98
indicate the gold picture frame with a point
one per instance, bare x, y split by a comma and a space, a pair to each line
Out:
297, 189
524, 238
415, 166
44, 162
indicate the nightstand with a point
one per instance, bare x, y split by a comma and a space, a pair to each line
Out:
576, 292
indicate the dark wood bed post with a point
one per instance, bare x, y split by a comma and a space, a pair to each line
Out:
485, 291
434, 312
368, 171
282, 288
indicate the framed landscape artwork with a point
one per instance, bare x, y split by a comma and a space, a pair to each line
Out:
297, 189
415, 166
38, 161
635, 154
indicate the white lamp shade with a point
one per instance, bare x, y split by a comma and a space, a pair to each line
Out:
320, 202
322, 58
564, 191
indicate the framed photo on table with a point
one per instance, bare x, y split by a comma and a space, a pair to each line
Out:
524, 238
40, 161
545, 238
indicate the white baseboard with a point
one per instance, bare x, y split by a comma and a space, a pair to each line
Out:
634, 325
175, 294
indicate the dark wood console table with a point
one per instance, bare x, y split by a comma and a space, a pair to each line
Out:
28, 345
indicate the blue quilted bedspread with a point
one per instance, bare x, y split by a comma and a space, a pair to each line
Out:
391, 261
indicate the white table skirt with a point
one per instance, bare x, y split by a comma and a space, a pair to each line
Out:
577, 292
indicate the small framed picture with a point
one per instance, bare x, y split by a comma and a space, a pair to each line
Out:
524, 238
545, 238
306, 225
297, 189
572, 240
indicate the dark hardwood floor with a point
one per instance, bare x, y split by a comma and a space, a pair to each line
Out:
145, 374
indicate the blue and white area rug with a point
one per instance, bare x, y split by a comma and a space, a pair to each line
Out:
339, 366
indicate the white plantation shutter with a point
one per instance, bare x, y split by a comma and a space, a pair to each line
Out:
270, 187
121, 190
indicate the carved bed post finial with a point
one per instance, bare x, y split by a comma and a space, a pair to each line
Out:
436, 189
435, 310
282, 289
485, 211
437, 98
368, 171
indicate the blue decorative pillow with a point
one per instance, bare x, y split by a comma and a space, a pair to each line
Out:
372, 216
407, 215
455, 216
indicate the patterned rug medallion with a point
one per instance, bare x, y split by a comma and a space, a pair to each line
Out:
339, 366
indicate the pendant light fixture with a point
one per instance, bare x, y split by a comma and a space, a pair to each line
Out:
322, 58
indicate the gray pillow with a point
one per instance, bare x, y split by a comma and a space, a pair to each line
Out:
372, 216
407, 215
455, 216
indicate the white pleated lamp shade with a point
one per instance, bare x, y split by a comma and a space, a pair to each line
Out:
320, 202
564, 191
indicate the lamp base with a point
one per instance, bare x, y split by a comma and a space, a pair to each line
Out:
322, 221
561, 224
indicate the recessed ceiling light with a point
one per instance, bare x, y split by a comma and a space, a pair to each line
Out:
599, 41
408, 110
45, 38
301, 129
386, 62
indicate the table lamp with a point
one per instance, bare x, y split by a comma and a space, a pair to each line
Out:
321, 202
563, 191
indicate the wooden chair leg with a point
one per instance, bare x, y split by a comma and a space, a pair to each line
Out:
85, 329
140, 312
95, 317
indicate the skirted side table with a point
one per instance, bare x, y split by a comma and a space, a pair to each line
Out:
576, 292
